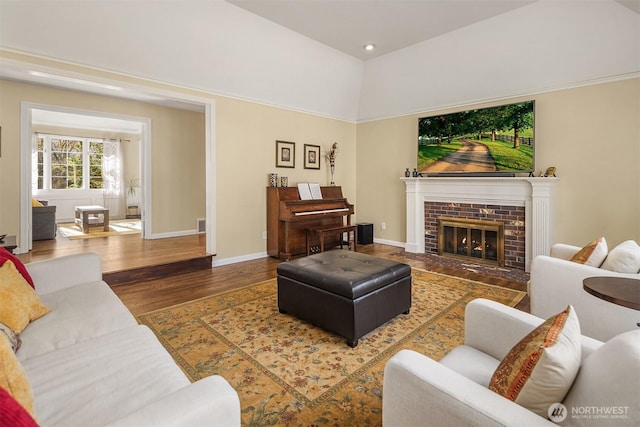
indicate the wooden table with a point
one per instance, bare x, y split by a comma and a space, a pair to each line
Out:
617, 290
323, 230
82, 217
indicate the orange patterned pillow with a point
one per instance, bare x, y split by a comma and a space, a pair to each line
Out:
593, 254
540, 369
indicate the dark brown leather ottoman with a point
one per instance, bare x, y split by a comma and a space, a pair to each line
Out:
345, 292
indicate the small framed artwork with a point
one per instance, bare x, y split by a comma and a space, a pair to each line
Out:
285, 154
311, 156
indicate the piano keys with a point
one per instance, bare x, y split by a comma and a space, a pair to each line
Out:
288, 218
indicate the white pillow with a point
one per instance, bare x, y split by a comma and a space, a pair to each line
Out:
609, 380
624, 258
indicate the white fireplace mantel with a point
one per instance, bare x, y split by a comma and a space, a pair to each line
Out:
535, 194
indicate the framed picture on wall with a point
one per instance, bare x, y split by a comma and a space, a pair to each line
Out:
311, 156
285, 154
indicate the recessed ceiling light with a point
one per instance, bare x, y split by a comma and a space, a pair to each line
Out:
369, 47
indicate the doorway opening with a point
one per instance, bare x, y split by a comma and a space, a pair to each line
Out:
73, 158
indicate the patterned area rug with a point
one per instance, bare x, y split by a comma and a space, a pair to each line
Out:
73, 232
288, 372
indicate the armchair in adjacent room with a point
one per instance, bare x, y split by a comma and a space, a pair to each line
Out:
43, 222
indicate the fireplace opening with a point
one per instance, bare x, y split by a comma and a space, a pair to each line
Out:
480, 240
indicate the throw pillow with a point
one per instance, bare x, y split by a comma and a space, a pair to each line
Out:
6, 255
13, 338
13, 378
593, 254
624, 258
35, 203
608, 378
20, 303
540, 369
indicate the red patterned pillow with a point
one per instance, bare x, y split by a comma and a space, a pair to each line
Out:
6, 255
540, 369
13, 414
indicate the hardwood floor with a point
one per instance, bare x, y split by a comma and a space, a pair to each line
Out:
152, 274
122, 253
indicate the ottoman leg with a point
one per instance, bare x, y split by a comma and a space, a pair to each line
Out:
352, 344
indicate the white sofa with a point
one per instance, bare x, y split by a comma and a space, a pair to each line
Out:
556, 282
419, 391
89, 362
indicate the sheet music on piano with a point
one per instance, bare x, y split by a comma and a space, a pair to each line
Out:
309, 190
315, 190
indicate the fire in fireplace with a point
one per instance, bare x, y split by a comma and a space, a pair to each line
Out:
480, 240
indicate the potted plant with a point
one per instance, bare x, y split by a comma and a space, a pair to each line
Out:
132, 199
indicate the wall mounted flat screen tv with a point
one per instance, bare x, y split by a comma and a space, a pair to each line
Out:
485, 142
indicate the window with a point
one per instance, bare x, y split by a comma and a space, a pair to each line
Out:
69, 163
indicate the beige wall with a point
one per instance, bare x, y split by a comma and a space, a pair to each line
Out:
245, 143
177, 153
591, 134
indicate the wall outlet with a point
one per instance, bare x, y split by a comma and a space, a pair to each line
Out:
264, 235
383, 225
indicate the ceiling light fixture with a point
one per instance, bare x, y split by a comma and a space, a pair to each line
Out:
369, 47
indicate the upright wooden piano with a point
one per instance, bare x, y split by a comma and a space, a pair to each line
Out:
288, 217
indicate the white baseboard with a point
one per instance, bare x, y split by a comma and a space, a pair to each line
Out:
389, 242
233, 260
173, 234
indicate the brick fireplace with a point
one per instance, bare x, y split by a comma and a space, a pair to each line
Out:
521, 205
497, 229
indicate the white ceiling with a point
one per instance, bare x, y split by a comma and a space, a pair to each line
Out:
84, 121
344, 25
18, 73
347, 25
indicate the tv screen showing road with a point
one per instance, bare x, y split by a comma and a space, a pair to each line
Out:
488, 140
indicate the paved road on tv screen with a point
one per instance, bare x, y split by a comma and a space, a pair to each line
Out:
471, 157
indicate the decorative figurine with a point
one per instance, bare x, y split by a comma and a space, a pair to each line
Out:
333, 153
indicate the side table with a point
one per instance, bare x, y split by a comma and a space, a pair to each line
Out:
617, 290
83, 213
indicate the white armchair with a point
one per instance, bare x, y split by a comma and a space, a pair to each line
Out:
419, 391
557, 282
